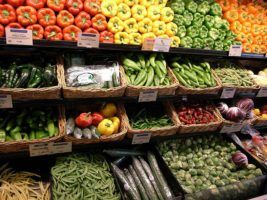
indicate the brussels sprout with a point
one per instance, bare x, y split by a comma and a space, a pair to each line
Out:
183, 158
251, 166
258, 172
213, 173
251, 176
199, 182
189, 156
188, 177
188, 142
219, 183
193, 172
209, 161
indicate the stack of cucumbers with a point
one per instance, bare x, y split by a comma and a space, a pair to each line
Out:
146, 70
193, 74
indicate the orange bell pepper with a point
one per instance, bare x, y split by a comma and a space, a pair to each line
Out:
46, 17
264, 39
246, 47
53, 32
64, 18
243, 16
256, 29
7, 14
264, 29
250, 38
236, 27
71, 33
263, 49
26, 15
56, 5
231, 15
14, 25
258, 40
243, 8
246, 28
252, 18
260, 18
37, 31
255, 48
242, 37
2, 31
234, 6
251, 8
225, 5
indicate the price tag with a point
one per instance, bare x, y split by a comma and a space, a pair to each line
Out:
88, 40
148, 96
262, 92
162, 44
141, 138
231, 128
263, 197
19, 36
148, 44
6, 101
235, 50
39, 149
60, 147
228, 93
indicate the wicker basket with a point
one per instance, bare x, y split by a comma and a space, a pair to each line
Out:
53, 92
88, 92
23, 145
134, 91
210, 90
111, 138
164, 131
194, 128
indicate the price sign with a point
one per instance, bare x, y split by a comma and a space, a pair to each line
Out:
148, 44
6, 101
263, 197
60, 147
88, 40
228, 93
162, 44
231, 128
262, 92
39, 149
235, 50
141, 138
19, 36
148, 96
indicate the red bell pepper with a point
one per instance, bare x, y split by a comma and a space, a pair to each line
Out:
84, 120
46, 17
2, 31
37, 4
37, 31
53, 33
97, 118
15, 3
56, 5
64, 19
26, 15
82, 20
91, 30
99, 22
14, 25
71, 33
106, 37
7, 14
74, 6
91, 7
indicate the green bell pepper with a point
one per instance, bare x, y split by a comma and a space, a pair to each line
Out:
226, 45
225, 24
192, 31
218, 45
203, 32
191, 6
214, 33
222, 34
209, 21
186, 42
230, 35
208, 43
178, 7
188, 18
197, 43
237, 42
181, 31
178, 20
216, 9
198, 19
203, 7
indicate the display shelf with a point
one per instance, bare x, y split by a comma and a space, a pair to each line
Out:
67, 45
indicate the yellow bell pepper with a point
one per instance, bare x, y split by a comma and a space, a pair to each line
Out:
145, 25
153, 13
124, 11
118, 1
161, 3
135, 38
148, 35
109, 8
130, 26
147, 3
106, 127
139, 12
171, 29
167, 14
130, 2
121, 38
163, 36
175, 41
116, 122
159, 27
115, 25
108, 110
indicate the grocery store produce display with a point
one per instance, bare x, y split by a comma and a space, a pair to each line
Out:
261, 113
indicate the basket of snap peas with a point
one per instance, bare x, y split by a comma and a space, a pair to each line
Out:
159, 119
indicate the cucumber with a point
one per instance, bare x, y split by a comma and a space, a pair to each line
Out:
129, 191
132, 183
137, 181
115, 80
144, 179
164, 188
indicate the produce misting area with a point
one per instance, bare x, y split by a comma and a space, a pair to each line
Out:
133, 99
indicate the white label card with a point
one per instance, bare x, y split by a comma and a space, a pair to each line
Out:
235, 50
263, 197
228, 93
49, 148
141, 138
60, 147
19, 36
148, 96
6, 101
88, 40
162, 44
148, 44
231, 128
262, 92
